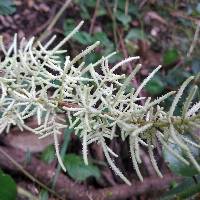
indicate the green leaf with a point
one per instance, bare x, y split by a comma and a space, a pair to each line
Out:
8, 190
43, 195
83, 38
77, 169
184, 190
7, 7
90, 3
116, 58
85, 13
102, 37
92, 58
177, 166
132, 8
135, 34
48, 155
101, 11
69, 25
132, 47
124, 19
56, 82
155, 86
170, 56
175, 76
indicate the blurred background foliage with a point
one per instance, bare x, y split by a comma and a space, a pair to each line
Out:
159, 31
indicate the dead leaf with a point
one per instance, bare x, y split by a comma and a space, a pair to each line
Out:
28, 141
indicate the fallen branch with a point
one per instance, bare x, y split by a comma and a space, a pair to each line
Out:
71, 190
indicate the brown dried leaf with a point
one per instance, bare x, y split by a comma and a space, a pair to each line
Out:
28, 141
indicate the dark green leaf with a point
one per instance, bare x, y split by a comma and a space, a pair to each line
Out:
175, 76
132, 8
90, 3
155, 86
83, 38
69, 25
7, 7
67, 138
92, 58
101, 11
170, 56
124, 19
43, 195
56, 82
85, 13
77, 169
48, 155
116, 58
135, 34
102, 37
105, 42
177, 166
83, 8
184, 190
8, 190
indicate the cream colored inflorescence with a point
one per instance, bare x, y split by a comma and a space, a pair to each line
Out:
34, 83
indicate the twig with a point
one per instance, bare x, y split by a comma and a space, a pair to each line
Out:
195, 40
47, 32
181, 14
113, 19
41, 28
126, 7
18, 165
94, 17
71, 190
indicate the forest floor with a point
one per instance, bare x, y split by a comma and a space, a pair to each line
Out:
160, 32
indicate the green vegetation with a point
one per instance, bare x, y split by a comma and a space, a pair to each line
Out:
160, 32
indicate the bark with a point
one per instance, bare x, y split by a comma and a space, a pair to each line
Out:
72, 190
